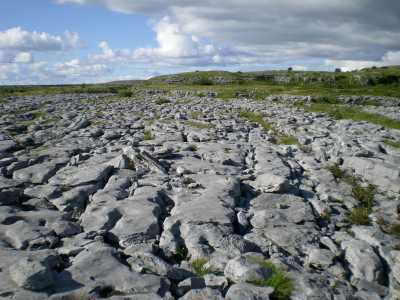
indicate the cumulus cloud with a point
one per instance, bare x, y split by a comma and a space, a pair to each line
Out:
79, 69
334, 29
252, 34
390, 58
17, 39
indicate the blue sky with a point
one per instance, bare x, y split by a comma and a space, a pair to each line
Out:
73, 41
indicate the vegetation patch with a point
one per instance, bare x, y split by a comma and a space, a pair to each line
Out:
287, 140
199, 125
199, 267
180, 254
364, 195
162, 101
359, 216
125, 93
341, 112
282, 284
255, 118
392, 229
392, 143
147, 136
337, 172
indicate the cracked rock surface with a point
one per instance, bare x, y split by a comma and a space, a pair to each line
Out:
121, 198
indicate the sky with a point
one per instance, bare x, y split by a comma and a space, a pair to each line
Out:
92, 41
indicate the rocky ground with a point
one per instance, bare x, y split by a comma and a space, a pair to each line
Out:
183, 198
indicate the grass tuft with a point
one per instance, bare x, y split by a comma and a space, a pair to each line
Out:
282, 284
337, 172
393, 144
199, 125
147, 136
199, 267
162, 101
180, 254
287, 140
255, 118
359, 216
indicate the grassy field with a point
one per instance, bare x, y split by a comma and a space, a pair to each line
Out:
6, 91
339, 112
374, 81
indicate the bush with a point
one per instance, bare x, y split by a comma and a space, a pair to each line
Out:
205, 81
125, 93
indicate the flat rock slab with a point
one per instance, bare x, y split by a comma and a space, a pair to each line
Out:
76, 176
38, 173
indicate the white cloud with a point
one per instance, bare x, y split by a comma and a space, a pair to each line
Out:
333, 29
17, 39
79, 69
23, 57
8, 70
390, 58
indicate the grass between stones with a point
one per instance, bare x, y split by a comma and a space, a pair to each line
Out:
365, 195
147, 136
199, 267
280, 139
282, 284
180, 254
162, 101
256, 118
199, 125
340, 112
393, 144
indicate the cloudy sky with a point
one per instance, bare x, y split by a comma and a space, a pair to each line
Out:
75, 41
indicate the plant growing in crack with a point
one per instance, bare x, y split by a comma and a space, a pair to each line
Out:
199, 267
279, 280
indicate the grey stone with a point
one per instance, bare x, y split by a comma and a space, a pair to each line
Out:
244, 269
248, 291
202, 294
31, 274
363, 261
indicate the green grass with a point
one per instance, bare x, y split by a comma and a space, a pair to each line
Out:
393, 144
199, 267
391, 229
337, 172
199, 125
6, 91
282, 284
364, 195
147, 136
195, 114
180, 254
340, 112
162, 101
287, 140
374, 82
125, 93
359, 216
255, 118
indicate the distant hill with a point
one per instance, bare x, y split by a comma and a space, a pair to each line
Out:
125, 82
364, 77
